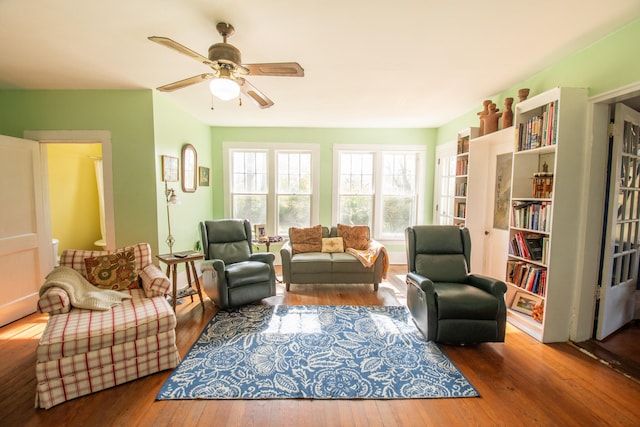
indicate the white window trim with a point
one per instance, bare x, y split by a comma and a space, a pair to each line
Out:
421, 151
272, 148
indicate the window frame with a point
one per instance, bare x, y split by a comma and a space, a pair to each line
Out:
378, 151
272, 149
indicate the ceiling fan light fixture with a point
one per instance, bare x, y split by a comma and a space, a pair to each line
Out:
225, 87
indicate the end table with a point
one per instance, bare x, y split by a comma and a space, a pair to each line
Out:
188, 258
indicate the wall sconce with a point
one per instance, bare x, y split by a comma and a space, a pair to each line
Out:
172, 199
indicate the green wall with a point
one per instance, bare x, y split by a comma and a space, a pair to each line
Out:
174, 128
608, 64
128, 115
325, 138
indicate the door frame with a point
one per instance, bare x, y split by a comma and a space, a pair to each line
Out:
589, 240
103, 137
442, 150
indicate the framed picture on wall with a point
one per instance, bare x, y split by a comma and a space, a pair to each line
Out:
203, 173
169, 168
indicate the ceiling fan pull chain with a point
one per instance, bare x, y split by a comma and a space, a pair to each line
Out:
212, 103
239, 101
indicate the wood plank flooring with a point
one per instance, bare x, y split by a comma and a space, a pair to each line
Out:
521, 382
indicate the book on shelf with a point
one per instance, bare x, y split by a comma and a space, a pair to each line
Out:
531, 215
539, 130
529, 246
529, 277
534, 246
462, 166
463, 145
462, 210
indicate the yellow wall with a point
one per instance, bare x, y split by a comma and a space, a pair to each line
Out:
73, 195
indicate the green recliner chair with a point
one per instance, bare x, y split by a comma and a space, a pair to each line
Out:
448, 304
232, 274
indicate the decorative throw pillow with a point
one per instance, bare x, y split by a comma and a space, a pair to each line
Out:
355, 236
116, 271
307, 239
332, 244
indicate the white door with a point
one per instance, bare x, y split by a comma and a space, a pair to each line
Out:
496, 232
444, 183
489, 240
22, 261
622, 225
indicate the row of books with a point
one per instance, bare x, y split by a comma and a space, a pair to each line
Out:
461, 210
527, 276
461, 189
463, 145
462, 166
531, 215
540, 130
529, 246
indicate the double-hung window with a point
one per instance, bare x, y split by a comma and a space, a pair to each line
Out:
272, 184
380, 187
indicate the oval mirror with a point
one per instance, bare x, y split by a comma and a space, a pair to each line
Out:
189, 168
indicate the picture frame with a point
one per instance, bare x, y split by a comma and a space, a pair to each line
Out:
189, 168
203, 175
524, 302
170, 168
261, 231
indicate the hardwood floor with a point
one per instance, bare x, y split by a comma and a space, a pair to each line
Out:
521, 382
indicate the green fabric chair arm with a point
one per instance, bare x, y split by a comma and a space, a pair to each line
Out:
493, 286
286, 252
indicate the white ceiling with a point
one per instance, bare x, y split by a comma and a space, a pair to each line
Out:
368, 63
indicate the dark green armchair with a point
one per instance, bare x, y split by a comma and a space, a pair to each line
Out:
232, 274
448, 304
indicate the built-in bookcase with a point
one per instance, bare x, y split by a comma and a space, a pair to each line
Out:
540, 273
462, 175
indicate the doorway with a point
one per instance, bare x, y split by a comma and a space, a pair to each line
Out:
620, 349
103, 139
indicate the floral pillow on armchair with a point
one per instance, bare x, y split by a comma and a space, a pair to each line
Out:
116, 271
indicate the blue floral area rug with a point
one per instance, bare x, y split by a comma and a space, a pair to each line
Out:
314, 352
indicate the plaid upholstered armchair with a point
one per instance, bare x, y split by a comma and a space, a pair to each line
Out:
84, 350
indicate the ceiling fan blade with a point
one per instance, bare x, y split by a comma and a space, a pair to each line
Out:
256, 96
180, 48
186, 82
285, 69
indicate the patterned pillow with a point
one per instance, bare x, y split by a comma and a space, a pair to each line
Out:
355, 236
115, 271
306, 239
332, 244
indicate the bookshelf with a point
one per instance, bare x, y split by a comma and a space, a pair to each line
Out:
462, 175
542, 261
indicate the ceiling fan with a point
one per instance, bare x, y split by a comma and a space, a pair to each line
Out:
226, 79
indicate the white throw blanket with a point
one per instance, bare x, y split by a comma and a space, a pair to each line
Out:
82, 294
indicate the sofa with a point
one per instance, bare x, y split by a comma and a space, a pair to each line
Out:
96, 339
340, 254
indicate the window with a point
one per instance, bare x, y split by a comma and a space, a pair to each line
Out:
380, 188
356, 189
272, 184
249, 186
293, 190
